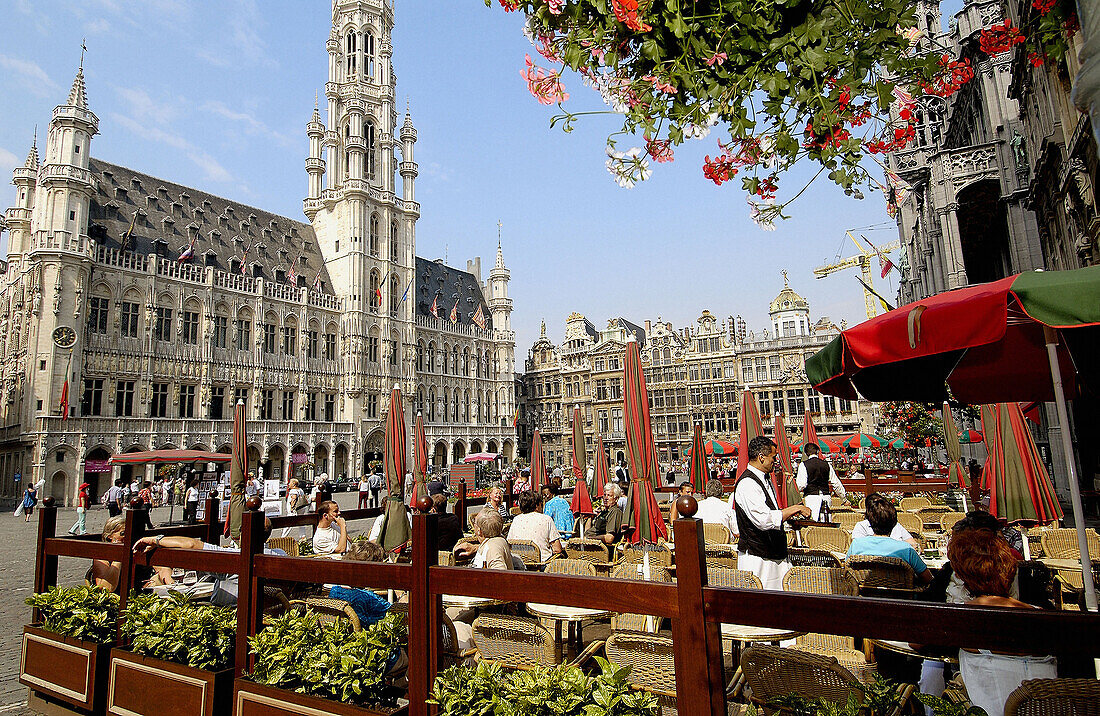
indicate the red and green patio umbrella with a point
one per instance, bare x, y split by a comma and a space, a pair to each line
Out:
581, 503
602, 474
751, 427
580, 459
809, 432
790, 494
538, 462
238, 473
716, 447
969, 437
825, 445
862, 441
641, 507
956, 471
395, 529
898, 444
697, 468
989, 427
1028, 337
1021, 487
420, 460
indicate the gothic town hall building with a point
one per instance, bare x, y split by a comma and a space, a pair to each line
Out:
135, 312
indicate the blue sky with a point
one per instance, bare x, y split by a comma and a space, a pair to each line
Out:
217, 95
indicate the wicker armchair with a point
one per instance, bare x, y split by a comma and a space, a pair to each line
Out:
847, 520
519, 643
912, 523
1055, 697
948, 520
721, 555
803, 557
446, 558
912, 504
331, 610
638, 622
930, 516
883, 576
589, 550
659, 555
830, 539
286, 544
714, 533
733, 578
772, 672
526, 550
821, 580
578, 567
1061, 543
650, 658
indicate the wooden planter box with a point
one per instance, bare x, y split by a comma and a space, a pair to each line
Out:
145, 686
252, 699
70, 670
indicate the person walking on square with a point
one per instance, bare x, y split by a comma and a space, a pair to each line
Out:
30, 499
78, 527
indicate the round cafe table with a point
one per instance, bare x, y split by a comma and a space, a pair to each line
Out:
568, 615
740, 634
463, 602
903, 647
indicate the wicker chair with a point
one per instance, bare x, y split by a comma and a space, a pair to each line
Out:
589, 550
820, 580
912, 523
734, 578
883, 576
930, 516
803, 557
772, 672
847, 520
286, 544
659, 555
1061, 543
526, 550
650, 658
446, 559
578, 567
948, 520
912, 504
721, 555
638, 622
1055, 697
275, 602
519, 643
331, 610
714, 533
831, 539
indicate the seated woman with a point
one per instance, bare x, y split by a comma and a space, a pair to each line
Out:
492, 550
368, 606
984, 562
103, 573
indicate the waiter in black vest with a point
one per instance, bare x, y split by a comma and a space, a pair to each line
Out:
762, 545
817, 478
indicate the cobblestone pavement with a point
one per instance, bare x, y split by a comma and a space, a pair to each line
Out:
17, 580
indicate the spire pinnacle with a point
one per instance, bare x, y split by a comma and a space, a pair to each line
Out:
78, 95
32, 155
83, 49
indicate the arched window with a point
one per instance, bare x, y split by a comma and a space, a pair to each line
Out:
419, 358
351, 47
444, 397
454, 360
431, 357
395, 294
431, 405
466, 362
444, 356
374, 235
368, 54
375, 290
368, 135
394, 248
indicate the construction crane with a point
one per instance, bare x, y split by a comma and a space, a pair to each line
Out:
863, 261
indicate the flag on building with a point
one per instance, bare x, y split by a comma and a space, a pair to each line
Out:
479, 317
454, 313
435, 307
904, 98
405, 296
316, 280
65, 399
515, 418
884, 261
378, 295
125, 241
292, 274
188, 253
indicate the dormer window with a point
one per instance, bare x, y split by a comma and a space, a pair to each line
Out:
160, 247
257, 271
135, 182
280, 275
235, 265
209, 258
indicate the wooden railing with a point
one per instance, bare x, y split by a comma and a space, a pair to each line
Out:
695, 609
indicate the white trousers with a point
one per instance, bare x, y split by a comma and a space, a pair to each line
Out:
770, 571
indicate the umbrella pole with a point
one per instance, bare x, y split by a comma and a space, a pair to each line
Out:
1074, 488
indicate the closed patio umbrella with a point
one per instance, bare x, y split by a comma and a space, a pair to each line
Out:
642, 512
395, 530
790, 494
538, 463
956, 471
697, 469
1021, 487
420, 460
238, 473
751, 427
578, 453
602, 474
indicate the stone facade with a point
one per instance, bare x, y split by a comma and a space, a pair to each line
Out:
158, 307
693, 374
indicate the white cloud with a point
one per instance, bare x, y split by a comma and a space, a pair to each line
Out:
33, 76
8, 161
210, 166
243, 42
251, 123
437, 171
144, 107
98, 26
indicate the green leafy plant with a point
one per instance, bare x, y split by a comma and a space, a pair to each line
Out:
562, 691
944, 707
175, 629
880, 697
305, 547
88, 613
299, 653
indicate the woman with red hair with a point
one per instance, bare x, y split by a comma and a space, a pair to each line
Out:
985, 563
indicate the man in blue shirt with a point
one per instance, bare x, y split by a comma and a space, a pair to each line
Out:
882, 516
558, 510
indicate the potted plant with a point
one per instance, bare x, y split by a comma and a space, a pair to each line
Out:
64, 655
562, 691
307, 667
179, 658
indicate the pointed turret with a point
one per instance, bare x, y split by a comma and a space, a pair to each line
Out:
78, 95
408, 163
315, 165
32, 156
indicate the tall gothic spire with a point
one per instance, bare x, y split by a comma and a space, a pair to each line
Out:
78, 95
32, 155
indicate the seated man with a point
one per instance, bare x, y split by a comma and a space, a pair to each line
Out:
331, 536
491, 550
714, 509
558, 509
608, 522
685, 489
450, 527
534, 526
883, 518
863, 527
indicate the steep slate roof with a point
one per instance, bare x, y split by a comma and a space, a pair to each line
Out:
168, 213
433, 279
631, 327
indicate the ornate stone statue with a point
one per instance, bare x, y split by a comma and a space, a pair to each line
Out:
1019, 150
1083, 182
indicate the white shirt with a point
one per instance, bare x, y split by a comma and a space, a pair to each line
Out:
863, 529
535, 527
192, 494
750, 498
325, 539
714, 510
801, 478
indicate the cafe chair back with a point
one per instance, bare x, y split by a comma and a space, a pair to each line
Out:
579, 567
331, 610
803, 557
715, 534
1055, 697
733, 578
847, 520
286, 544
1061, 543
912, 523
589, 550
831, 539
658, 554
912, 504
721, 555
520, 643
526, 550
948, 520
638, 622
883, 576
650, 658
